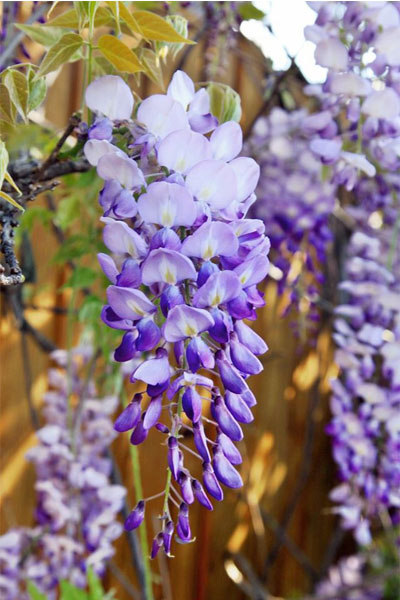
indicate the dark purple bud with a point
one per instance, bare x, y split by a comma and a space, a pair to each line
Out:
238, 408
225, 472
221, 328
191, 403
165, 238
136, 517
230, 377
153, 412
242, 358
130, 416
250, 338
198, 354
139, 434
229, 449
130, 275
127, 348
200, 494
162, 428
240, 308
186, 487
170, 297
168, 532
156, 390
211, 483
206, 269
174, 458
149, 334
110, 318
225, 420
183, 526
156, 545
200, 441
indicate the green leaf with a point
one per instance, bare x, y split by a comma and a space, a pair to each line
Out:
11, 200
81, 277
17, 85
119, 55
3, 161
35, 214
90, 311
70, 19
37, 90
34, 593
126, 16
154, 27
151, 63
46, 36
60, 53
95, 588
247, 11
7, 108
70, 592
225, 102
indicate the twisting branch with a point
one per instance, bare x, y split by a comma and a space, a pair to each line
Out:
32, 178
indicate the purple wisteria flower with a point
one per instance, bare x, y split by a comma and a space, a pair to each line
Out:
366, 400
295, 203
184, 271
77, 505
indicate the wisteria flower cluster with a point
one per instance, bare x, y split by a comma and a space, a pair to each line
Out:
295, 204
366, 403
187, 263
358, 128
357, 133
77, 505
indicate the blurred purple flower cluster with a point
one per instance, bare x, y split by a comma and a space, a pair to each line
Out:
184, 276
295, 203
77, 505
366, 401
357, 132
358, 128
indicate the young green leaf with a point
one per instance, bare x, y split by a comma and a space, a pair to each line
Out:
17, 85
7, 109
127, 17
3, 161
34, 593
247, 10
154, 27
47, 36
70, 19
11, 200
152, 66
70, 592
11, 181
119, 55
95, 588
37, 93
60, 53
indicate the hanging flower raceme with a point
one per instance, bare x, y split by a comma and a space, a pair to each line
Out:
184, 274
366, 400
295, 204
77, 505
358, 128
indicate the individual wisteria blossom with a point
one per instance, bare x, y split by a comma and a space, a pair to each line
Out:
295, 204
366, 399
184, 271
77, 505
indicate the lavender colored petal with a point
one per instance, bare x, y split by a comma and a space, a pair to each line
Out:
110, 96
226, 141
129, 303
